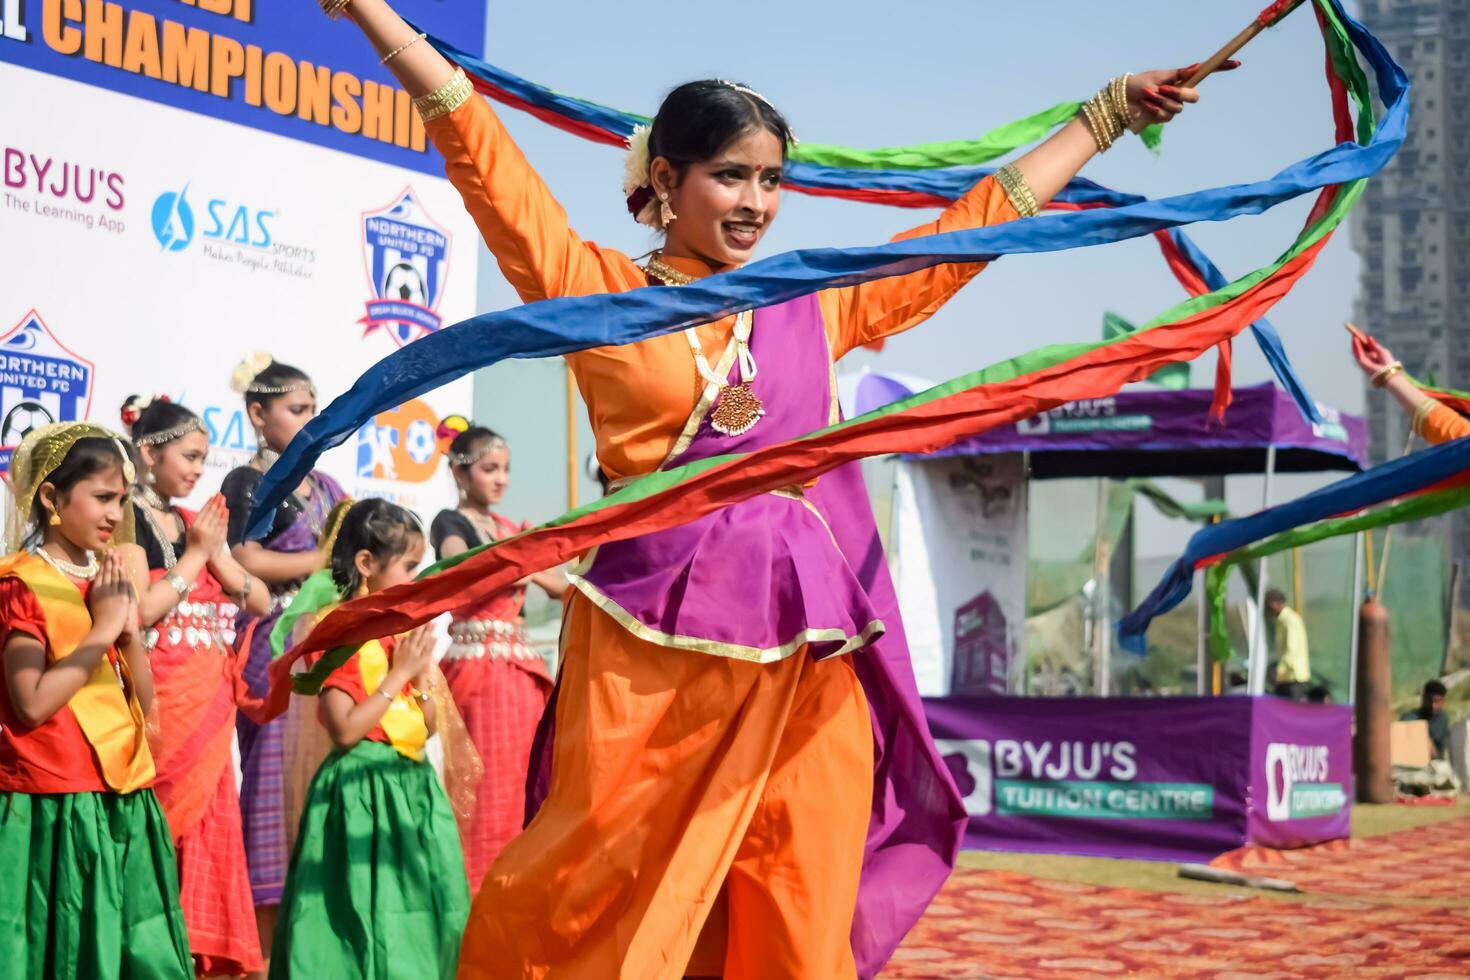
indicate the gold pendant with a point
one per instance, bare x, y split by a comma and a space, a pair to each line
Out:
737, 410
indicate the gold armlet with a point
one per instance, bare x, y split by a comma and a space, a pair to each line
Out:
1014, 184
446, 98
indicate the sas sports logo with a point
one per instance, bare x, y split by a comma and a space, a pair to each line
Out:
400, 445
222, 222
41, 381
173, 220
406, 255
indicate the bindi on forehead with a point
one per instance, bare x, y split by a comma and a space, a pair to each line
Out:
755, 168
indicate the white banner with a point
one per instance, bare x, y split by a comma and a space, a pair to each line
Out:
146, 249
959, 545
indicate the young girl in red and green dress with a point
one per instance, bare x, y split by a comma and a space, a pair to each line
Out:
88, 882
377, 885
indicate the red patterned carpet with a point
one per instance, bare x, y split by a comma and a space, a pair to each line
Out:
1427, 862
1008, 925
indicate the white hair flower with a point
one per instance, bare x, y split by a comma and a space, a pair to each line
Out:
247, 370
636, 180
635, 167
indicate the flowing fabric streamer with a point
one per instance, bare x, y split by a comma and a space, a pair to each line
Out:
916, 176
958, 409
1432, 480
560, 326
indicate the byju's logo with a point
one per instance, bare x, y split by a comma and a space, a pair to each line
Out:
407, 258
173, 220
1296, 783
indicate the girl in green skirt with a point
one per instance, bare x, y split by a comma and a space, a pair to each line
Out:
88, 886
377, 886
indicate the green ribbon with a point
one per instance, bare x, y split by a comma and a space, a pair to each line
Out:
952, 153
1174, 377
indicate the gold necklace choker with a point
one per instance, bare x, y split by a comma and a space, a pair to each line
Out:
666, 273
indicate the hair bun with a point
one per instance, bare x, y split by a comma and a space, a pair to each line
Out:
449, 428
249, 369
133, 409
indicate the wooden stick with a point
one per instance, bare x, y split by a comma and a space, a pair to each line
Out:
1223, 876
1211, 64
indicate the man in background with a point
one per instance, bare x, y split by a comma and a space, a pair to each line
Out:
1431, 709
1289, 644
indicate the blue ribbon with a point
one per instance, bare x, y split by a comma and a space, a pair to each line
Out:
1404, 475
949, 184
565, 325
1265, 334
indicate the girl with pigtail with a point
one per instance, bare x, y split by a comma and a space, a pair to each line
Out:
376, 885
88, 887
279, 400
191, 592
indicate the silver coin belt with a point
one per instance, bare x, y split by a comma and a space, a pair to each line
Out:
199, 625
497, 639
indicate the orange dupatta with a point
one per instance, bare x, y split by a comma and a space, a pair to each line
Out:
111, 722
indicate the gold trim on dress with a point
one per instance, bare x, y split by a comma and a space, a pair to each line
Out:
714, 647
735, 651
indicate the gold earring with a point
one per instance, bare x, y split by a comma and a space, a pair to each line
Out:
55, 519
665, 213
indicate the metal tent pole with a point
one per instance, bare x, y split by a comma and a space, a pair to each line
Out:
1353, 612
1258, 637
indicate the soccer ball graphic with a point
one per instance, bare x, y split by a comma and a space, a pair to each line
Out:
20, 420
421, 441
404, 282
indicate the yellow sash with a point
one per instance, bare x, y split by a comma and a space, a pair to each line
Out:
111, 723
403, 722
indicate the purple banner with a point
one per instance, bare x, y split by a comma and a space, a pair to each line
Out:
1154, 421
1158, 778
1301, 773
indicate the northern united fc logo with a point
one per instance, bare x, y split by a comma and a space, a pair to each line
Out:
406, 254
41, 381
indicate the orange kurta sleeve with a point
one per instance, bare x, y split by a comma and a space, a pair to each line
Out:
521, 222
858, 315
1442, 424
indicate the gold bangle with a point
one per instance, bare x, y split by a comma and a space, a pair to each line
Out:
402, 48
1381, 376
1013, 182
1422, 411
1106, 113
1100, 120
1089, 118
1118, 89
333, 8
446, 98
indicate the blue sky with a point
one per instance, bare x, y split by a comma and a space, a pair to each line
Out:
873, 74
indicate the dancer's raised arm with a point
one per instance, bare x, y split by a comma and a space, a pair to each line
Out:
870, 312
1432, 421
521, 222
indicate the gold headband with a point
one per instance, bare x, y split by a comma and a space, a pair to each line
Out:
169, 435
469, 459
37, 457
